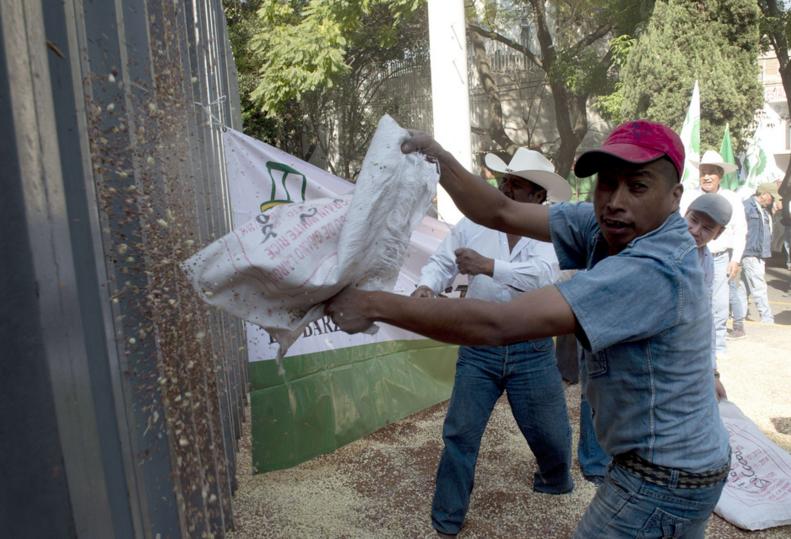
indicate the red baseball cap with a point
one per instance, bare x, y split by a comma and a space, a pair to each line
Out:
636, 142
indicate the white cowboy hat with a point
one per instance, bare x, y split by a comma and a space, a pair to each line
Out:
534, 167
713, 158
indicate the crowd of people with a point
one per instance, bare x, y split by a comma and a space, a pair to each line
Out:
654, 273
739, 252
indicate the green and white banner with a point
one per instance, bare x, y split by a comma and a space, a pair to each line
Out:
336, 387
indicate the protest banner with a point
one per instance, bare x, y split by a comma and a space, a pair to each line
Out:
335, 387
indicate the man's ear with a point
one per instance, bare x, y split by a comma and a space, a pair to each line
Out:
676, 193
718, 234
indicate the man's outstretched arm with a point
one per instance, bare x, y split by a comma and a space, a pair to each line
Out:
534, 314
477, 199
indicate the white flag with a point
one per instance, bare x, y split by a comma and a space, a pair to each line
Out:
759, 160
690, 137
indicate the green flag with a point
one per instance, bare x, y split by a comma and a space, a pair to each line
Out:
731, 179
690, 137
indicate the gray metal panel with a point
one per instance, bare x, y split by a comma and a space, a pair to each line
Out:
115, 176
117, 77
53, 267
64, 66
223, 434
215, 18
235, 356
32, 475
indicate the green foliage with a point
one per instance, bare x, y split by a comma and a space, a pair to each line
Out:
713, 41
242, 23
611, 105
313, 73
776, 34
775, 23
577, 44
581, 32
303, 46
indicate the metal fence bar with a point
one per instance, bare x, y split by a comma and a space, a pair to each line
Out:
234, 362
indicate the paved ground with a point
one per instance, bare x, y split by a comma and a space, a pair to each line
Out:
779, 281
381, 486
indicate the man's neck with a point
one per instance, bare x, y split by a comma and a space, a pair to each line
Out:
512, 241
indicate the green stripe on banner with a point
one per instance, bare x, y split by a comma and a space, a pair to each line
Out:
330, 398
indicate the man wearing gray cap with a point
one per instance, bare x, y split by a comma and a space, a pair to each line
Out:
707, 218
727, 249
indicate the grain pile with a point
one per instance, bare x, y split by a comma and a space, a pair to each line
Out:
382, 485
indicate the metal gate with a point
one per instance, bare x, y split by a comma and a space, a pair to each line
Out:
122, 396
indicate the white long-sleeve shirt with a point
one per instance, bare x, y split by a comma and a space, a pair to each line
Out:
735, 234
531, 264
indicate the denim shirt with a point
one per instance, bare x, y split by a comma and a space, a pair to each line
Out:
759, 232
645, 324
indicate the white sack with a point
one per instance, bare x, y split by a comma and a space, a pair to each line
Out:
277, 269
758, 492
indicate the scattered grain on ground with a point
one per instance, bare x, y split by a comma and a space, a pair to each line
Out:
381, 486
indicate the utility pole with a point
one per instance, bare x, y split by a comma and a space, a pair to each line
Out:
450, 90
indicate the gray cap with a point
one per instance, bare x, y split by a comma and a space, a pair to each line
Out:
715, 206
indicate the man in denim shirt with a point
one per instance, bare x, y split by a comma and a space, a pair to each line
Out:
640, 310
758, 247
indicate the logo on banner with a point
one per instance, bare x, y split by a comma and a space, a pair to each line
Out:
284, 177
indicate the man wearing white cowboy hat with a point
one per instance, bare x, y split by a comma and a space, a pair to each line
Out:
727, 249
531, 165
501, 266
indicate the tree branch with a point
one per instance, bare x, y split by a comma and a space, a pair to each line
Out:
590, 39
494, 36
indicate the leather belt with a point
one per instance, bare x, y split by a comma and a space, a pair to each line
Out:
663, 475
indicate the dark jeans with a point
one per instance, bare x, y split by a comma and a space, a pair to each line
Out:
528, 374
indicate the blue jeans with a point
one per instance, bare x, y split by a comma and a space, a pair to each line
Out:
753, 279
528, 374
720, 302
738, 300
627, 506
592, 458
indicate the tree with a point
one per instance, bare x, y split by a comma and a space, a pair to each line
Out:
713, 41
282, 130
313, 71
574, 46
776, 27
